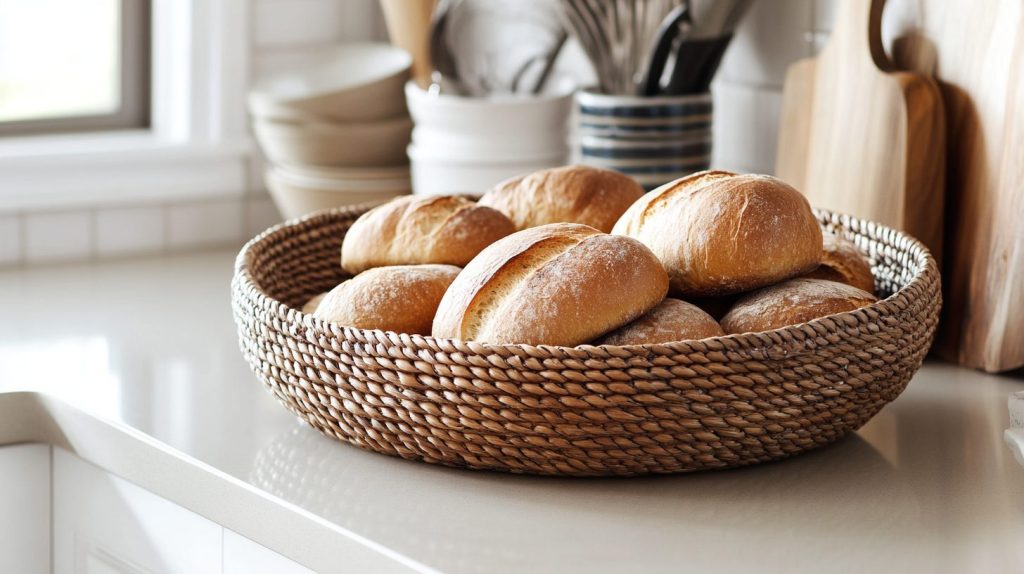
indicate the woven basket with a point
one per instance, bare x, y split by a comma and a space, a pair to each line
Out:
694, 405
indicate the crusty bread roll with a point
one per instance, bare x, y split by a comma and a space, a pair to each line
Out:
415, 230
792, 302
557, 284
401, 298
313, 303
672, 320
571, 194
719, 233
843, 262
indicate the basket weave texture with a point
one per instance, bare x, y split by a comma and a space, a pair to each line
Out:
694, 405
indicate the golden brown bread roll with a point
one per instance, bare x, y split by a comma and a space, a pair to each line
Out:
571, 194
792, 302
672, 320
557, 284
312, 304
719, 233
401, 298
843, 262
414, 230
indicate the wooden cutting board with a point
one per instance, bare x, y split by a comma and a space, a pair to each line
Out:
859, 138
975, 48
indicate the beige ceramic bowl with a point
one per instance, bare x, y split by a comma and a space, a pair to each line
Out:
296, 196
346, 174
373, 144
347, 83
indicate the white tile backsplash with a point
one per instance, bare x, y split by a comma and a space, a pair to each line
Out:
292, 22
772, 35
205, 224
745, 127
58, 236
130, 230
11, 245
363, 21
823, 14
260, 213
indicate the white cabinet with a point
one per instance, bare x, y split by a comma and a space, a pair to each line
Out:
243, 556
103, 524
25, 509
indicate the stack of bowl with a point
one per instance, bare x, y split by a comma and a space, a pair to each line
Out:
653, 139
467, 145
335, 129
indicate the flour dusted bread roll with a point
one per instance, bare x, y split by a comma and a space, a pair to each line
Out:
719, 233
401, 298
792, 302
313, 303
558, 284
672, 320
414, 230
571, 194
843, 262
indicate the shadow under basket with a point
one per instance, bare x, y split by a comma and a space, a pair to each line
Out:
693, 405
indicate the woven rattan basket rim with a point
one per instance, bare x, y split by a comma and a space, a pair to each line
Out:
766, 345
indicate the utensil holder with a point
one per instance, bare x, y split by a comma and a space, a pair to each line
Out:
653, 139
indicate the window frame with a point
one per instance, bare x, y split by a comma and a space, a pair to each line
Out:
133, 109
197, 142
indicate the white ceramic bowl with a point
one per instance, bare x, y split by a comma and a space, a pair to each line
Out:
373, 144
500, 117
298, 177
296, 198
454, 144
347, 174
432, 175
348, 82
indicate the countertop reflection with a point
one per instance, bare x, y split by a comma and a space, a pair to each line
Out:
928, 485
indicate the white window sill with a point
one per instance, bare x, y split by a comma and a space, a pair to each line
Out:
44, 172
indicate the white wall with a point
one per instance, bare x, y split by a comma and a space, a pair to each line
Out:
747, 101
748, 88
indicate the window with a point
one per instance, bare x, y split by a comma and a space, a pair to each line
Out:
73, 65
190, 139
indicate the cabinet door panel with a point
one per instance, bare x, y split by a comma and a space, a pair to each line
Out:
243, 556
103, 524
25, 509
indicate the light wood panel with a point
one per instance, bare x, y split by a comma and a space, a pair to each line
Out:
859, 138
976, 50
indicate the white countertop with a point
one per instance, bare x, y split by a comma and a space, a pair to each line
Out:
135, 366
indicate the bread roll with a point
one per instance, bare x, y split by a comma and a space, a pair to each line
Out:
719, 233
402, 298
313, 303
571, 194
795, 301
415, 230
558, 284
672, 320
843, 262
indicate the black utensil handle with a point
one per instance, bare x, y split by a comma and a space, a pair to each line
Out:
696, 64
667, 34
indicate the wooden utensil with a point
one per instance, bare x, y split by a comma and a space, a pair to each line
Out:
859, 138
976, 50
408, 23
